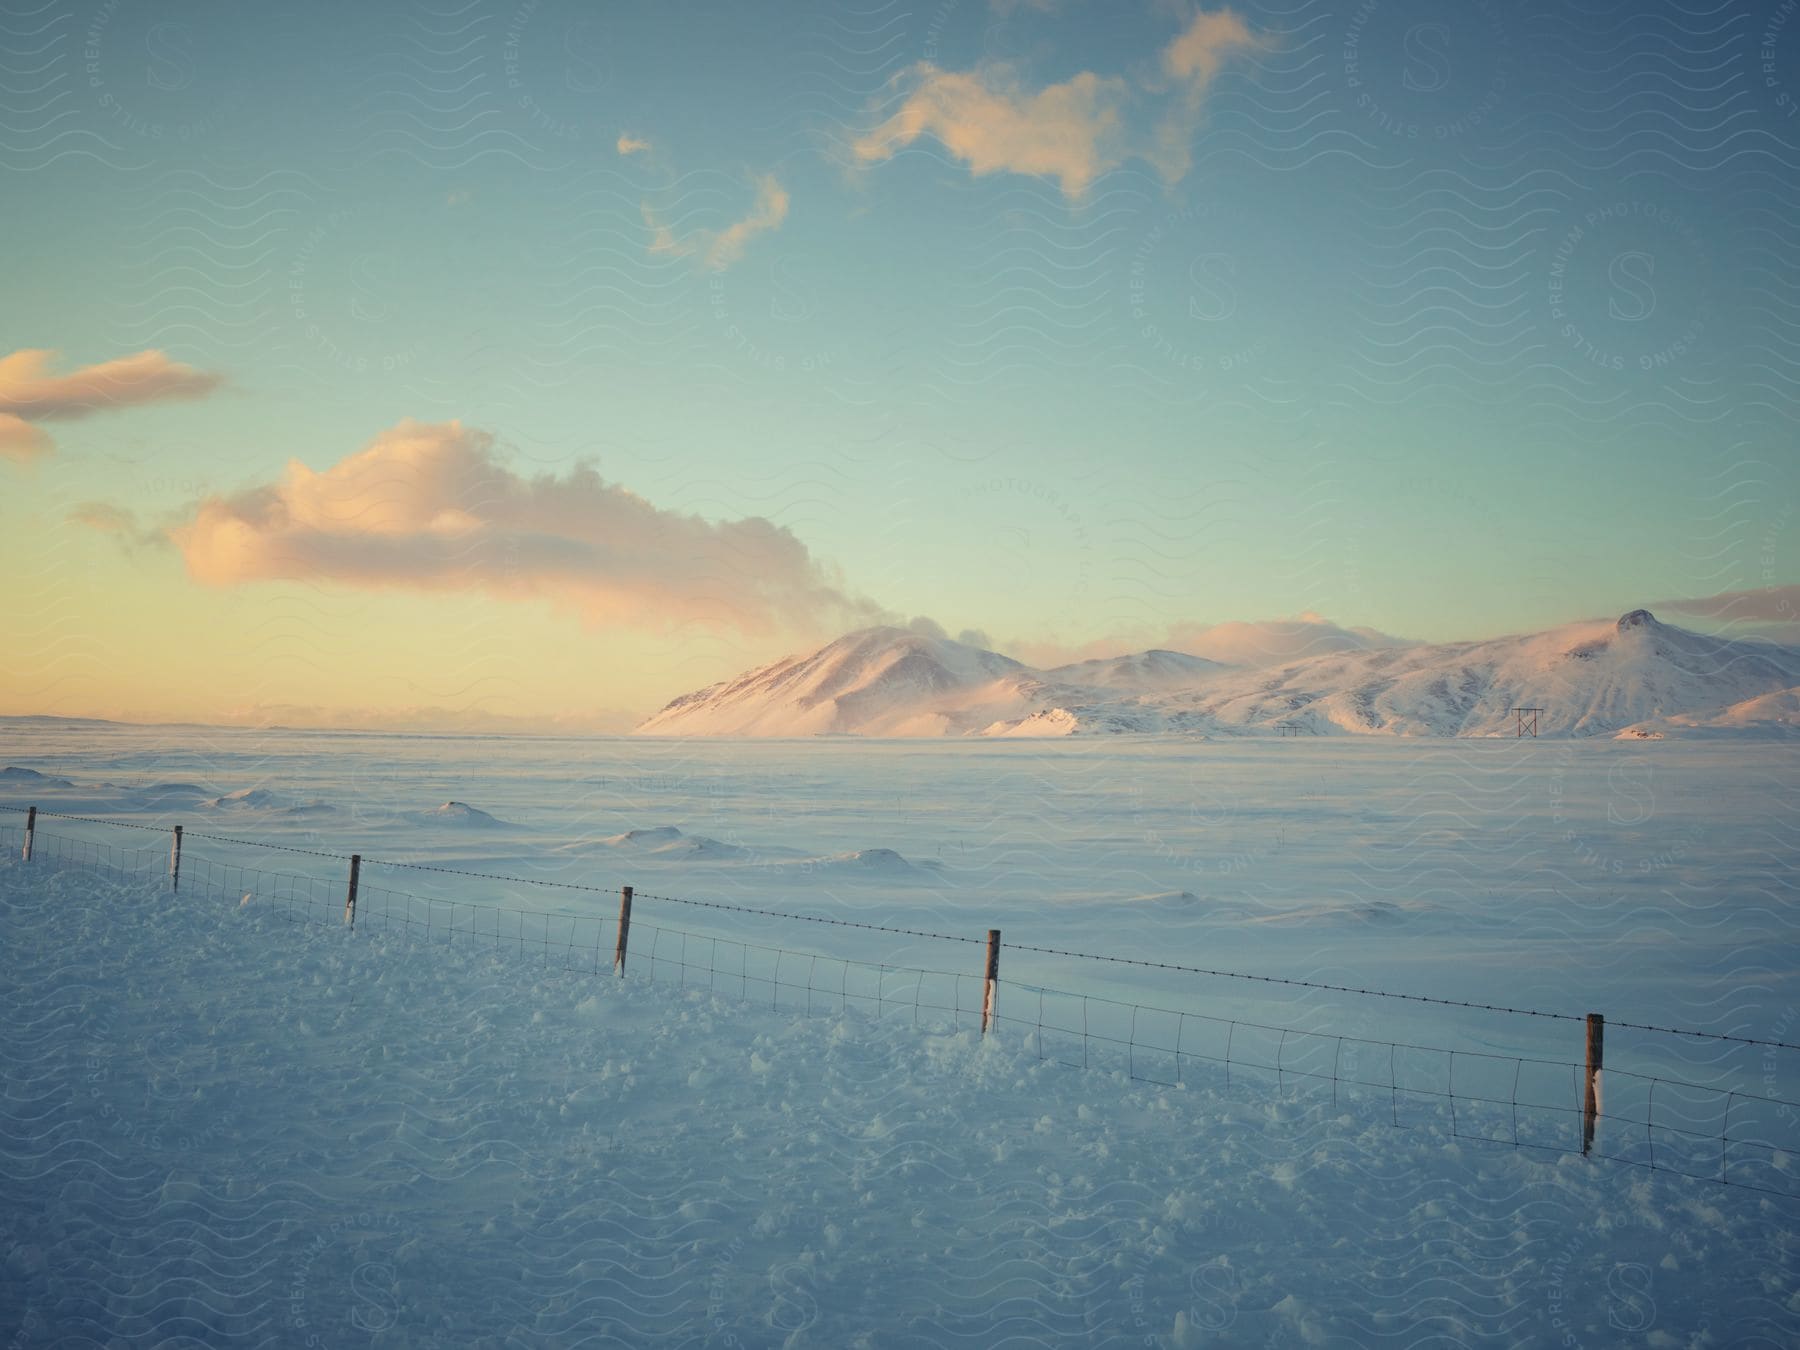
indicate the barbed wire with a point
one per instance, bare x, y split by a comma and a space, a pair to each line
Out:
90, 820
490, 876
1703, 1035
1384, 993
1142, 962
808, 918
1278, 979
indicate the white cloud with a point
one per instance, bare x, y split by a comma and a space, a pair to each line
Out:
429, 506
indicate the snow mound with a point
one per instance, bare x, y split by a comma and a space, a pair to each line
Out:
1362, 913
31, 778
247, 799
884, 863
261, 800
658, 836
884, 858
667, 842
458, 815
1176, 900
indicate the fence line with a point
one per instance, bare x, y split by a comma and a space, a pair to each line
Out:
1142, 962
1727, 1136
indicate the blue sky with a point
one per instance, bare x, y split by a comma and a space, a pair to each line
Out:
1063, 321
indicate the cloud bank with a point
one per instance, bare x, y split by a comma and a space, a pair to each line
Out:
30, 393
1072, 131
429, 506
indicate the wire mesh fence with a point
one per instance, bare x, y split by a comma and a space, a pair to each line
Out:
1707, 1132
121, 861
1660, 1123
781, 978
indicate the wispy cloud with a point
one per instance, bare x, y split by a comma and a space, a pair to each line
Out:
1763, 604
1074, 130
118, 523
30, 393
1190, 64
430, 506
719, 249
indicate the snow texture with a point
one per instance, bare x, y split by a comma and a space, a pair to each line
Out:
225, 1128
228, 1129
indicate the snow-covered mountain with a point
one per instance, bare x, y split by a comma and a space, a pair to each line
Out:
1592, 678
874, 682
1588, 678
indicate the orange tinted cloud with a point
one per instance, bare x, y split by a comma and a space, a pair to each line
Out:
1072, 131
19, 440
30, 393
719, 249
429, 506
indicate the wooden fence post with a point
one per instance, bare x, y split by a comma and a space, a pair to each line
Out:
350, 899
624, 929
1596, 1059
991, 995
175, 861
30, 829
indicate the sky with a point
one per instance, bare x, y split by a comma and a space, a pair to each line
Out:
526, 363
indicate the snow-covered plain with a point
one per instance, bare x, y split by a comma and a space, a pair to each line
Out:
230, 1128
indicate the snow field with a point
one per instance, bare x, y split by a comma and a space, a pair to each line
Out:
222, 1128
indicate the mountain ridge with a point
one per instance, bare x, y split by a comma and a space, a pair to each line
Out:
1590, 678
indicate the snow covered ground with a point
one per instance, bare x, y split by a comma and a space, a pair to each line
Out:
223, 1127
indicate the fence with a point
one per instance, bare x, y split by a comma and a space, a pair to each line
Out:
1707, 1132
